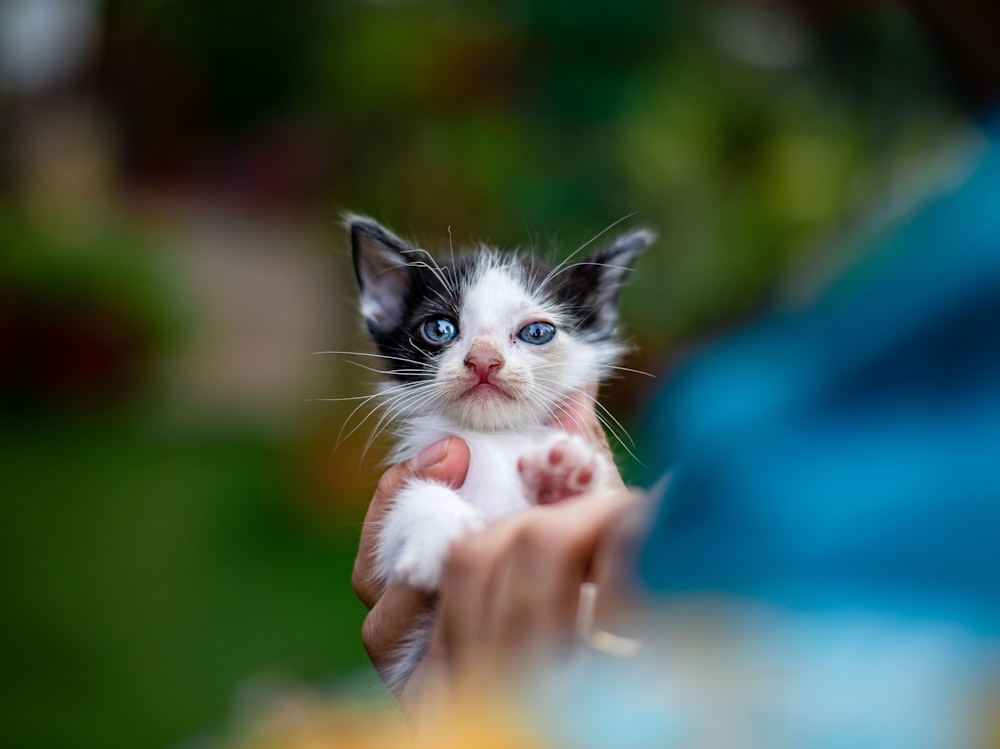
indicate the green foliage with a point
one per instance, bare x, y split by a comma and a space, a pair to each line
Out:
146, 573
50, 261
84, 317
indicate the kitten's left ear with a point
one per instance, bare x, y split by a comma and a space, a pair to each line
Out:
597, 280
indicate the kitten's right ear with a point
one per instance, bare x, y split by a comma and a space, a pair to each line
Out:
383, 272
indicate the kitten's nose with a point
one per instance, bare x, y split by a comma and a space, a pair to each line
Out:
483, 361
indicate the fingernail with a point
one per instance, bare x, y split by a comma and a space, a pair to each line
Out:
432, 454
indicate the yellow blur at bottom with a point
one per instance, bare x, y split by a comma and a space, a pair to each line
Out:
310, 721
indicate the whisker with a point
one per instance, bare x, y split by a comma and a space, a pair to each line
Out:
366, 367
414, 344
422, 372
581, 424
603, 418
365, 399
338, 400
604, 409
388, 417
398, 392
393, 413
374, 356
600, 407
340, 435
580, 249
444, 300
565, 268
633, 371
451, 253
435, 268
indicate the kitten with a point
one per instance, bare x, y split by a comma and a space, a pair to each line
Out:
485, 346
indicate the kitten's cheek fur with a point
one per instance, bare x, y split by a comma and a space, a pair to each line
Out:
415, 537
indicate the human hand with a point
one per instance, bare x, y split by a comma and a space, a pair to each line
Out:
395, 609
514, 588
565, 551
512, 591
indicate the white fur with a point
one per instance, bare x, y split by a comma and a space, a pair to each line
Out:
495, 308
427, 518
500, 427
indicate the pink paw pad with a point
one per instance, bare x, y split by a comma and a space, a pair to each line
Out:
564, 466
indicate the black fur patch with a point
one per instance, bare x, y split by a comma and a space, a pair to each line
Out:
413, 287
590, 287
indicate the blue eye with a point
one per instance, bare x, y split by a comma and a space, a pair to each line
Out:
439, 330
537, 333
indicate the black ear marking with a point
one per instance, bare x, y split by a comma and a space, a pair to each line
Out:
383, 272
595, 283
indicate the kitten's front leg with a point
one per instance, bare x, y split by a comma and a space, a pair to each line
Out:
563, 466
418, 531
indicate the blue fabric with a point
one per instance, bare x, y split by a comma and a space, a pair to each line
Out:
848, 455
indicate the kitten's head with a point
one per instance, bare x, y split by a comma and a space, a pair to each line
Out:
492, 341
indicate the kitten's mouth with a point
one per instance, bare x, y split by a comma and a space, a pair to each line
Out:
486, 390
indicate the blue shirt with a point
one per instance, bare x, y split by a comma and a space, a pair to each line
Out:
848, 455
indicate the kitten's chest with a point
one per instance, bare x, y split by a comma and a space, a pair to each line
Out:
493, 484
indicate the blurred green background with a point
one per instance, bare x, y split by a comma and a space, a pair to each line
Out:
178, 521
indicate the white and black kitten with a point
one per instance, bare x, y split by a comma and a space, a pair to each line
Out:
485, 346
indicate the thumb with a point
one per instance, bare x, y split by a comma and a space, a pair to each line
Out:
446, 461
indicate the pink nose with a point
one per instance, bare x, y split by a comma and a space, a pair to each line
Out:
483, 362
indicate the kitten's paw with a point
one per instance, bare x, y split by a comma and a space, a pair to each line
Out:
562, 467
422, 555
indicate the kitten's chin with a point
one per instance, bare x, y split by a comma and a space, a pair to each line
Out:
485, 411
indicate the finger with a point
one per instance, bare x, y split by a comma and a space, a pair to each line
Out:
446, 461
391, 620
517, 583
557, 555
616, 558
466, 585
525, 616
